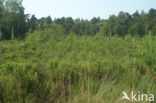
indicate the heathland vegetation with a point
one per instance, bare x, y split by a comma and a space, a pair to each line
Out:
75, 61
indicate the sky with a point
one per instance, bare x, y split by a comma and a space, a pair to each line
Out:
85, 9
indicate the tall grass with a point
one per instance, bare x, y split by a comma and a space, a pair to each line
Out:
49, 67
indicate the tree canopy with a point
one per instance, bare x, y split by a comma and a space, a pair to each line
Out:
13, 21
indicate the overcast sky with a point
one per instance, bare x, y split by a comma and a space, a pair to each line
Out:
85, 8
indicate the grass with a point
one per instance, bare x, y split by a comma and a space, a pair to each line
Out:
51, 67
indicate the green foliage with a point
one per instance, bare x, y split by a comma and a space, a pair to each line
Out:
15, 21
138, 28
153, 30
117, 24
12, 16
52, 67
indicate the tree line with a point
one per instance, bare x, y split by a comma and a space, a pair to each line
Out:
14, 23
